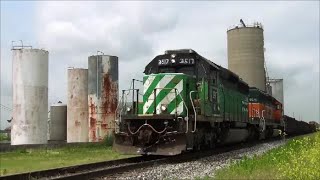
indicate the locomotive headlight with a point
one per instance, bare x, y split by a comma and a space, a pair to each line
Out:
163, 108
128, 109
173, 61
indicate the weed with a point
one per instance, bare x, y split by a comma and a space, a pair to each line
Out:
298, 159
108, 140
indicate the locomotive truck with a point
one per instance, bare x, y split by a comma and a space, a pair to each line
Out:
190, 103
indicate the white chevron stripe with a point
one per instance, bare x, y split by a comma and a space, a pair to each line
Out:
148, 82
163, 82
170, 96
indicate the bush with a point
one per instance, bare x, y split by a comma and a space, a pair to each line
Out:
4, 137
108, 140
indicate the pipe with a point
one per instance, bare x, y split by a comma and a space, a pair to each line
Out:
98, 71
187, 118
154, 101
133, 105
146, 124
263, 120
137, 103
195, 113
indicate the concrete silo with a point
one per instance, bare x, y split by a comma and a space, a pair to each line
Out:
77, 105
30, 96
58, 122
246, 54
103, 96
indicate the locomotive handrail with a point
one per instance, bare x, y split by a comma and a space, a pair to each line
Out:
263, 120
126, 94
116, 116
122, 103
133, 100
154, 93
195, 113
187, 118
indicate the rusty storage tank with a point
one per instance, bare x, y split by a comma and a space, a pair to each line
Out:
58, 122
277, 89
30, 96
246, 54
77, 105
103, 96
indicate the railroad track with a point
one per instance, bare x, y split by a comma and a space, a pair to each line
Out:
110, 169
84, 171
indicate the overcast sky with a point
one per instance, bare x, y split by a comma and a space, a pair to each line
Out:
138, 31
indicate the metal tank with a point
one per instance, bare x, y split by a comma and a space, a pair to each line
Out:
30, 96
58, 122
77, 105
246, 54
277, 89
103, 96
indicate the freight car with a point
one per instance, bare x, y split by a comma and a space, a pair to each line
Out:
294, 127
314, 126
190, 103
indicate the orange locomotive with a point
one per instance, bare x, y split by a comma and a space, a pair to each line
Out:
264, 110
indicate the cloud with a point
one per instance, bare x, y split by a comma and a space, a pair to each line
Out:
138, 31
108, 26
72, 31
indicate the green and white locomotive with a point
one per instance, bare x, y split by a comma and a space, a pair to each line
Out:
189, 103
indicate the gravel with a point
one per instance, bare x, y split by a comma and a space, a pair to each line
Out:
198, 168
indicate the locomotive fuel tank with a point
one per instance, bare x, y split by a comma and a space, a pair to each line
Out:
234, 136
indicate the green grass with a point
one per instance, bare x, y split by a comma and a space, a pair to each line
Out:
41, 159
298, 159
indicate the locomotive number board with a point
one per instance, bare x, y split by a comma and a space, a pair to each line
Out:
176, 61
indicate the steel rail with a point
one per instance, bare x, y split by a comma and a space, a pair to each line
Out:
74, 171
110, 169
113, 173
